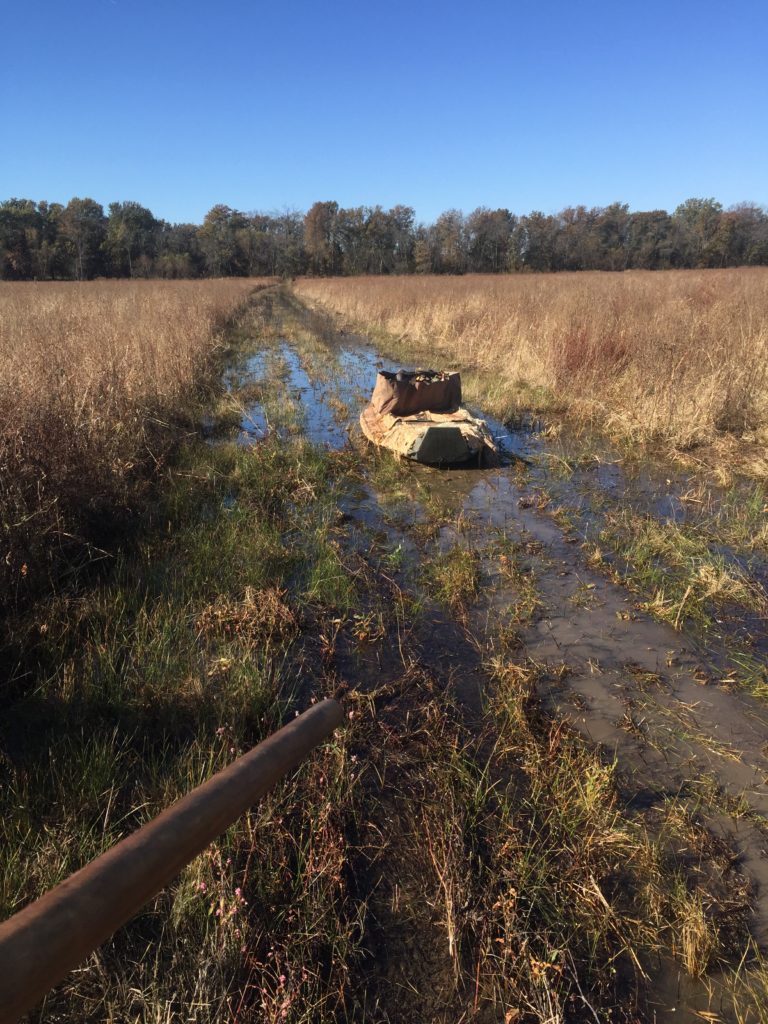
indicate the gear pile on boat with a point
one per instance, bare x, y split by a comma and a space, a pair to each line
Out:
418, 414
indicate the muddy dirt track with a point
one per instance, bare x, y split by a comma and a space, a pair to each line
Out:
657, 700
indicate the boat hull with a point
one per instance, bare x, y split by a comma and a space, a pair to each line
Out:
432, 438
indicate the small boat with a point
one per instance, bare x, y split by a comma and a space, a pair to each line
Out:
418, 414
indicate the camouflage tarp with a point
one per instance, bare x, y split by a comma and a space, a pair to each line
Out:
405, 393
435, 437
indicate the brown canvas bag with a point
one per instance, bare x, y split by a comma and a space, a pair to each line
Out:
408, 392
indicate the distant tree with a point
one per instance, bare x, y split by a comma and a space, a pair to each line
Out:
423, 253
696, 222
18, 223
751, 234
47, 240
449, 243
178, 251
371, 240
51, 254
288, 257
650, 242
350, 231
742, 232
612, 223
83, 226
402, 238
379, 241
487, 240
536, 243
321, 238
218, 241
576, 244
262, 243
251, 249
131, 233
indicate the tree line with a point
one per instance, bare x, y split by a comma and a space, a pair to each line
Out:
80, 241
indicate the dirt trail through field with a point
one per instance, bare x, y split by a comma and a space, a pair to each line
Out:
649, 695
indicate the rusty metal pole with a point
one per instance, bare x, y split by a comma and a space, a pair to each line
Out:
43, 942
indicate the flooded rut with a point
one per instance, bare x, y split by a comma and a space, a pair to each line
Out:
652, 697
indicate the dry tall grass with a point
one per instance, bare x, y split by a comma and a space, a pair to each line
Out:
678, 356
88, 373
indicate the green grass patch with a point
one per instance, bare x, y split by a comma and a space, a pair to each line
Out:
133, 691
685, 578
453, 577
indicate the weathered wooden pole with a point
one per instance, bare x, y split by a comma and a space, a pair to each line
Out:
43, 942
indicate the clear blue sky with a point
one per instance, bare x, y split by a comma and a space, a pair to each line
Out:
528, 104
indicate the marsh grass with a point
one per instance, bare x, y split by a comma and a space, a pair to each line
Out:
97, 382
137, 689
642, 885
453, 577
553, 903
677, 358
677, 566
737, 516
430, 863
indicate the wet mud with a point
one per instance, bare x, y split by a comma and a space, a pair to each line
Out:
650, 696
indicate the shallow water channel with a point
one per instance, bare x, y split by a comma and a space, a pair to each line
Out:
649, 695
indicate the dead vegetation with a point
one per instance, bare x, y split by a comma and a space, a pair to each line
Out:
91, 378
678, 357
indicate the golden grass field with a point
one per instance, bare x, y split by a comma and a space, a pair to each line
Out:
445, 857
679, 357
88, 372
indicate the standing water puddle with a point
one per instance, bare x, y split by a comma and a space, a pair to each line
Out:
637, 687
325, 404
